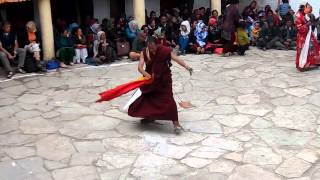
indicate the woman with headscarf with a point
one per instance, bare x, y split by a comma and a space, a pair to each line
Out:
185, 30
106, 49
307, 45
201, 34
132, 30
230, 23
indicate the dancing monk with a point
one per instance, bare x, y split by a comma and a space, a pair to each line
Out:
156, 101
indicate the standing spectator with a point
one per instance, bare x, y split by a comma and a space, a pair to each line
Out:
201, 34
230, 23
80, 46
289, 35
184, 36
132, 30
271, 16
65, 48
243, 39
166, 27
138, 45
284, 9
9, 50
215, 14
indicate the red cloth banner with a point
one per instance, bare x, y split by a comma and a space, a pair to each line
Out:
123, 89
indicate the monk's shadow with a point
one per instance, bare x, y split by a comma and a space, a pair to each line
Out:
158, 127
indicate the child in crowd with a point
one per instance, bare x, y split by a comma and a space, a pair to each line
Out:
201, 34
255, 33
80, 46
65, 48
184, 36
242, 38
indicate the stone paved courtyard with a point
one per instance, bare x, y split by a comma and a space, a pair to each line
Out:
255, 118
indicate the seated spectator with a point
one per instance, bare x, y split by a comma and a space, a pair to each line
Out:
269, 38
184, 36
80, 45
65, 48
242, 38
145, 29
10, 51
131, 31
201, 34
251, 10
284, 8
214, 35
152, 27
31, 41
255, 33
272, 17
106, 49
215, 14
289, 35
162, 40
92, 39
192, 39
138, 45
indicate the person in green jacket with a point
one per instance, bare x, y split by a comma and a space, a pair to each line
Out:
65, 48
242, 38
269, 37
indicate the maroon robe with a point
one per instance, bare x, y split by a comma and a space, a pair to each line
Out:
156, 101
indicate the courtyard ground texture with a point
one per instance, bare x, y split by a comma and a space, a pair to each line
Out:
255, 118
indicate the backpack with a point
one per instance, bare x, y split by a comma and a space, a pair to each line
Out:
52, 64
30, 65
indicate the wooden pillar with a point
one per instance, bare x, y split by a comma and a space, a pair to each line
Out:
216, 5
46, 29
139, 11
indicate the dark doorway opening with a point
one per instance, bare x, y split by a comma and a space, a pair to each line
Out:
117, 8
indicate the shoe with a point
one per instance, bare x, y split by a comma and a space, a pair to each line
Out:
21, 71
178, 130
10, 74
71, 64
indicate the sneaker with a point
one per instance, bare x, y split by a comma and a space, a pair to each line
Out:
21, 71
10, 74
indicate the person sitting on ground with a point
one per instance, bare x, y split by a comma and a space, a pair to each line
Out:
214, 32
162, 40
138, 45
192, 47
289, 35
184, 37
269, 38
255, 33
106, 49
31, 42
80, 46
10, 51
242, 38
201, 34
132, 31
65, 48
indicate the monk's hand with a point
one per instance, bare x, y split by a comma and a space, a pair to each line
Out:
190, 70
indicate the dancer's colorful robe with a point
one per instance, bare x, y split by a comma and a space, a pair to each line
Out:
156, 101
307, 45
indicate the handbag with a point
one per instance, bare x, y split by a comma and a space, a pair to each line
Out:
123, 48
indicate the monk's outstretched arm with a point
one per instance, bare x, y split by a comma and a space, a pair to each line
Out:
176, 59
141, 67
